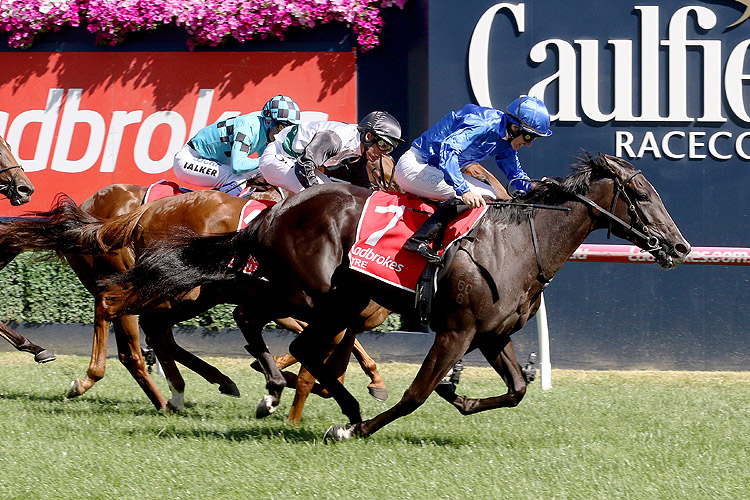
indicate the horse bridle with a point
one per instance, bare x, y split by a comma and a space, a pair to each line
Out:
382, 178
9, 189
652, 242
637, 217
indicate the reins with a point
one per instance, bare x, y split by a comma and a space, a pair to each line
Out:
382, 177
652, 242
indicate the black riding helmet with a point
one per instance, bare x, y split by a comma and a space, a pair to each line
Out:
384, 126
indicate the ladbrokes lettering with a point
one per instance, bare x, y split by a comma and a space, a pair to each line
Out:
370, 255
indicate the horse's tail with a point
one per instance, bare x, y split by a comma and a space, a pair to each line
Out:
171, 267
66, 229
60, 229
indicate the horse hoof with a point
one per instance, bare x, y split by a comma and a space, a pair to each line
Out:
255, 365
337, 433
177, 402
265, 407
74, 390
171, 408
44, 357
379, 393
230, 390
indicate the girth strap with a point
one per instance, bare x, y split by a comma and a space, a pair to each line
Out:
543, 278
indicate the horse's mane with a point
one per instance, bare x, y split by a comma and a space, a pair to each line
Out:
583, 170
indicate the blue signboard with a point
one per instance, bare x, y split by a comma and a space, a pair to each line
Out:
665, 85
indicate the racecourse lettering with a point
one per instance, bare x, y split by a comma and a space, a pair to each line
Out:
575, 78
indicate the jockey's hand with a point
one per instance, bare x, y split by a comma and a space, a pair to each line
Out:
473, 200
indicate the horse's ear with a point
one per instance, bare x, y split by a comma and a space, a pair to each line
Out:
615, 165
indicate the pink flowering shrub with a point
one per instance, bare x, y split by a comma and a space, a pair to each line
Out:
24, 19
208, 22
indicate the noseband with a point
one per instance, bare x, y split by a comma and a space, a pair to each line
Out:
9, 188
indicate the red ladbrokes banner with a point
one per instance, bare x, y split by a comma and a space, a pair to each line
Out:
79, 121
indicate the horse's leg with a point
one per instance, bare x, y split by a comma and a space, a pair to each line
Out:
127, 336
372, 316
209, 372
21, 343
284, 361
304, 382
252, 330
376, 387
503, 359
98, 362
446, 350
157, 337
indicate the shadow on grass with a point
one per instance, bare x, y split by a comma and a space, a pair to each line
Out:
96, 405
237, 434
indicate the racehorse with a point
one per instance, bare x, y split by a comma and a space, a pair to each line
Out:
489, 290
17, 188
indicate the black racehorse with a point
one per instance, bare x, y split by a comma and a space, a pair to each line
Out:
489, 290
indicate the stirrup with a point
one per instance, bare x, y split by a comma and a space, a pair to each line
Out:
423, 248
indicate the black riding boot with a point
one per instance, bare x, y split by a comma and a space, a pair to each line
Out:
431, 228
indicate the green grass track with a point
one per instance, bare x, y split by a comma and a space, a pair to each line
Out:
595, 435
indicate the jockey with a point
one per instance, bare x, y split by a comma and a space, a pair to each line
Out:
292, 161
219, 154
432, 167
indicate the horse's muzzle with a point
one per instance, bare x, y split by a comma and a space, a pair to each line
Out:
671, 256
20, 194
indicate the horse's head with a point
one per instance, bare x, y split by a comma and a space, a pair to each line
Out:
381, 174
13, 181
649, 225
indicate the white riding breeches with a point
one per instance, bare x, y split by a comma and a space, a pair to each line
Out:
277, 168
191, 168
415, 176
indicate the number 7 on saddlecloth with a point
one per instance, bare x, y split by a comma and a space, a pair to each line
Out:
398, 212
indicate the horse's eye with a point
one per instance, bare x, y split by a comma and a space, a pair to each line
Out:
642, 197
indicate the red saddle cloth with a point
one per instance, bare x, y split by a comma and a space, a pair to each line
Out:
162, 189
387, 221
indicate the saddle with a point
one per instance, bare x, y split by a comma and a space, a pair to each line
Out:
387, 221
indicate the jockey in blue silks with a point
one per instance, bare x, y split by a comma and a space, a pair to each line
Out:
432, 168
219, 155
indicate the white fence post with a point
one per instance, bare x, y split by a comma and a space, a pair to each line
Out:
545, 366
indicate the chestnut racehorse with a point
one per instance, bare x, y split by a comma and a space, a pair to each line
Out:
489, 290
17, 188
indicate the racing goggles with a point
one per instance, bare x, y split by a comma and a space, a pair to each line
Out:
528, 136
383, 145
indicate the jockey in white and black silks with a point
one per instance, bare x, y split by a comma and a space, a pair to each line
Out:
292, 161
218, 156
433, 167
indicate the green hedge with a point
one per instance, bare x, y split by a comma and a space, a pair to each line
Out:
48, 291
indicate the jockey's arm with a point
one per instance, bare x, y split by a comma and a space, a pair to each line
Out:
358, 173
323, 146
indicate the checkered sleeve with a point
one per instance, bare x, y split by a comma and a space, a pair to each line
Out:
249, 137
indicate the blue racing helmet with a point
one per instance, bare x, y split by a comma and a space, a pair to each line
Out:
282, 109
530, 113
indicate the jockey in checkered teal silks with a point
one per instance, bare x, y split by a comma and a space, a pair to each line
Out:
218, 156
